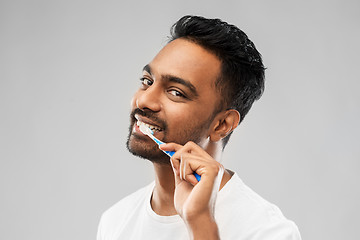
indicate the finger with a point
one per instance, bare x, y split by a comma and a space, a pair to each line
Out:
182, 168
176, 175
185, 169
175, 163
189, 164
192, 147
190, 177
179, 150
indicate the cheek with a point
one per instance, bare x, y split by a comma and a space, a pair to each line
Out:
186, 116
178, 113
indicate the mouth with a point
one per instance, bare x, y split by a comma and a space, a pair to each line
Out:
152, 126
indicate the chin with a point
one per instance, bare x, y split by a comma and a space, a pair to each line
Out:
152, 153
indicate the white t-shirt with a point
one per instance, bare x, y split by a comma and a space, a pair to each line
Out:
240, 213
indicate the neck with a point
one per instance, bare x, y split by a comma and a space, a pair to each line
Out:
162, 201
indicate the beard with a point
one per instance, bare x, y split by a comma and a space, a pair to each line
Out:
142, 146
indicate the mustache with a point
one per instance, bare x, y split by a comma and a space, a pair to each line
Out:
150, 115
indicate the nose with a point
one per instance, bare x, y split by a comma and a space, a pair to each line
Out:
149, 99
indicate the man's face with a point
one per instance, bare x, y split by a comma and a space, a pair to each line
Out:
177, 98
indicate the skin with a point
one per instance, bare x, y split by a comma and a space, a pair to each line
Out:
178, 95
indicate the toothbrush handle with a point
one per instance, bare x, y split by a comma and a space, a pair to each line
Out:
198, 177
171, 153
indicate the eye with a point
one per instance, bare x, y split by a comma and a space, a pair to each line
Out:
176, 93
146, 82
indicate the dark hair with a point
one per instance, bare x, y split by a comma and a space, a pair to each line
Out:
242, 72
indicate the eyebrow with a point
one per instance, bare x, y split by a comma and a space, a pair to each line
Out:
171, 78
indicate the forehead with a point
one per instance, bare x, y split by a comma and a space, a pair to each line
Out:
187, 60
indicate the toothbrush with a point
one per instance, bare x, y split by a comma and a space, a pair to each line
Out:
147, 131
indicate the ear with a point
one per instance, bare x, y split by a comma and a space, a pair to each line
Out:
224, 123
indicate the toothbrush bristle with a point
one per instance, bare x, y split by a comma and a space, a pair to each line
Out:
145, 130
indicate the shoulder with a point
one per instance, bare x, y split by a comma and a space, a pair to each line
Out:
120, 212
242, 211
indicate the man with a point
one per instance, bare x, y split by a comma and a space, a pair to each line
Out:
193, 94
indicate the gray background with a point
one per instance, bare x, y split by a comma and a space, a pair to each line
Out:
69, 68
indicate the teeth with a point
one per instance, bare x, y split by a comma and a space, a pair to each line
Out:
153, 128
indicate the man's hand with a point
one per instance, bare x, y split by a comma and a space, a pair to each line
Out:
195, 201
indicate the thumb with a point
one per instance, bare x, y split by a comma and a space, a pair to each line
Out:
170, 147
